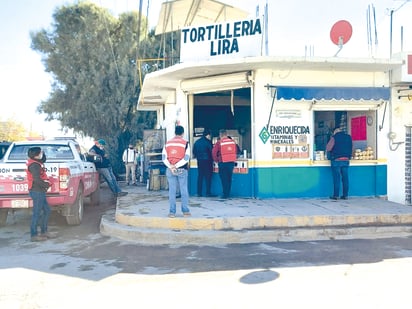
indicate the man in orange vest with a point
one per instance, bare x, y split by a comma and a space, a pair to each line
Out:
224, 152
176, 155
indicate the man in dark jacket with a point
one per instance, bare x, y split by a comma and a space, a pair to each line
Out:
104, 167
202, 151
38, 182
340, 147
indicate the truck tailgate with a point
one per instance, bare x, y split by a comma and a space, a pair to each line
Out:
14, 189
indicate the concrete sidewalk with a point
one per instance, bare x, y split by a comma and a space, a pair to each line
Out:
141, 217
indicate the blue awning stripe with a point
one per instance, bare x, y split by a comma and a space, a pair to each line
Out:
330, 93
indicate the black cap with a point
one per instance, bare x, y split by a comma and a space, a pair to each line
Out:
33, 152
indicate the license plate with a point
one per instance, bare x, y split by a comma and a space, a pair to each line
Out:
20, 204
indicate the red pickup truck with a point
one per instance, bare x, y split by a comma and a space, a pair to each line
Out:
72, 178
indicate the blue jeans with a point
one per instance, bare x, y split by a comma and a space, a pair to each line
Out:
41, 212
340, 171
108, 175
181, 178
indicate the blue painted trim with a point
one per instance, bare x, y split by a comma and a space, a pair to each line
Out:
299, 182
241, 184
329, 93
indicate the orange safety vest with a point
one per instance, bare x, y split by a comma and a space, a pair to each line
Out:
43, 174
175, 149
228, 149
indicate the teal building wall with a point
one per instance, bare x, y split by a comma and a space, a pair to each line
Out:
299, 182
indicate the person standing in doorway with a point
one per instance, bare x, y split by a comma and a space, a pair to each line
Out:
105, 168
224, 152
340, 148
38, 183
130, 161
176, 155
202, 151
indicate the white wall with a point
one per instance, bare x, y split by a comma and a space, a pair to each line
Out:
399, 116
394, 118
263, 102
176, 113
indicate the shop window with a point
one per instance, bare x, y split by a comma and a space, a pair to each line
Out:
361, 125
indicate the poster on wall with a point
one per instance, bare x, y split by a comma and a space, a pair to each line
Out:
292, 151
358, 128
289, 142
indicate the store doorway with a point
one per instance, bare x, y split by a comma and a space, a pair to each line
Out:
230, 110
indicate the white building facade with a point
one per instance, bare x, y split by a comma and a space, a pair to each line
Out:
282, 110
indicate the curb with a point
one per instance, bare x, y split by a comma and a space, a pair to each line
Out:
250, 223
171, 236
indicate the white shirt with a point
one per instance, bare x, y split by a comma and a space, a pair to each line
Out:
129, 156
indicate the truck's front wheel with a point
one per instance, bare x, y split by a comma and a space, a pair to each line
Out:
3, 216
75, 215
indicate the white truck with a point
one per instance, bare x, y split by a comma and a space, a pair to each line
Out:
72, 178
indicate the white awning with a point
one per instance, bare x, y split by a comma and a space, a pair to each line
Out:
217, 83
177, 14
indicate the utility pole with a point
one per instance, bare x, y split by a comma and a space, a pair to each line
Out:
391, 26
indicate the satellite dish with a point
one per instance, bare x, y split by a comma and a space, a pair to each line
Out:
340, 33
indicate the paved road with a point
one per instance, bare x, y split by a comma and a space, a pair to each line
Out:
81, 268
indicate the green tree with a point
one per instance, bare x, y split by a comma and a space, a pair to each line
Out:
93, 59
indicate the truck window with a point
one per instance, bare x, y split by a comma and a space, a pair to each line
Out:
52, 152
3, 148
18, 153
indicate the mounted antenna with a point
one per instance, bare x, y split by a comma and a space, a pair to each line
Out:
340, 34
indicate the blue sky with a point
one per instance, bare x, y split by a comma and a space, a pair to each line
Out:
24, 84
